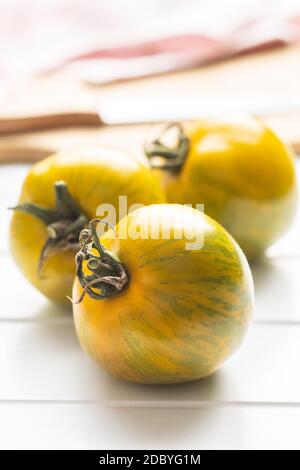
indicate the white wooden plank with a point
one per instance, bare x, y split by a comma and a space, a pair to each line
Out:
5, 216
20, 300
11, 179
277, 289
276, 283
43, 361
45, 426
288, 245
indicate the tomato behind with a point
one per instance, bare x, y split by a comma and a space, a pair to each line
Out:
93, 177
243, 174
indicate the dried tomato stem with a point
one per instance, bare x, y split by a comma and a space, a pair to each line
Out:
164, 157
63, 223
108, 273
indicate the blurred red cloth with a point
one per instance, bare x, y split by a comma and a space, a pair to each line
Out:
103, 41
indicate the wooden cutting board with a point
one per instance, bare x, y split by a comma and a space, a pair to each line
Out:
272, 73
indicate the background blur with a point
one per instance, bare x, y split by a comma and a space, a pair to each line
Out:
161, 59
104, 40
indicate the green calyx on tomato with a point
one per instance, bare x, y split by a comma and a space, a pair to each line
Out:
168, 158
63, 223
108, 274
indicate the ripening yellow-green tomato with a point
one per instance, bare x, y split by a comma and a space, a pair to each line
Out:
239, 169
166, 306
59, 196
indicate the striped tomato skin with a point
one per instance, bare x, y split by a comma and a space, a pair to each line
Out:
243, 174
183, 312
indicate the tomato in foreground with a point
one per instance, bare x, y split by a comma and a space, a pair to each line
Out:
239, 169
153, 310
59, 196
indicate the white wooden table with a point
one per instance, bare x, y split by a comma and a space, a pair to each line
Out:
53, 396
